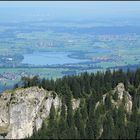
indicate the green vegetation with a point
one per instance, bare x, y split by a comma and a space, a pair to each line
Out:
85, 122
105, 47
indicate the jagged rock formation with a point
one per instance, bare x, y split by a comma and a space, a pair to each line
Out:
23, 110
117, 96
120, 93
75, 103
120, 89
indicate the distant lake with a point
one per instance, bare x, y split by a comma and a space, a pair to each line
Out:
50, 58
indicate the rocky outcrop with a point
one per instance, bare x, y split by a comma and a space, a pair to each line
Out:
75, 103
119, 96
24, 110
120, 90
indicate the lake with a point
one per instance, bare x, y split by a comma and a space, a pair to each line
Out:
50, 58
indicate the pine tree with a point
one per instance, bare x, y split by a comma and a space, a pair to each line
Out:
63, 108
89, 129
43, 83
108, 127
108, 104
76, 89
120, 124
83, 110
51, 131
79, 123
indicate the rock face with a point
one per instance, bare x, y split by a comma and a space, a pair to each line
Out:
120, 92
75, 103
117, 96
24, 110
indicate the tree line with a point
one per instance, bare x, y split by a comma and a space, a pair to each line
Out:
85, 122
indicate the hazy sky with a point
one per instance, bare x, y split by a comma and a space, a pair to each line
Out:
14, 10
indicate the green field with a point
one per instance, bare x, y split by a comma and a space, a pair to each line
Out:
103, 48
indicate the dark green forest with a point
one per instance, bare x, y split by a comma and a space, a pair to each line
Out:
85, 121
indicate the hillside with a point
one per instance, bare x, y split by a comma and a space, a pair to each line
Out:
74, 107
113, 117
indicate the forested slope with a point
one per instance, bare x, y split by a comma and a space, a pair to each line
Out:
104, 112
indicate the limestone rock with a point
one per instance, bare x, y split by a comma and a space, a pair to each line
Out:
75, 103
24, 110
121, 96
120, 90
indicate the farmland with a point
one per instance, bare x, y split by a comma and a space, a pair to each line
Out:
58, 49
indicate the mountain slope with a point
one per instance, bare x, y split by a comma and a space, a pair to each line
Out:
38, 113
114, 100
23, 110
